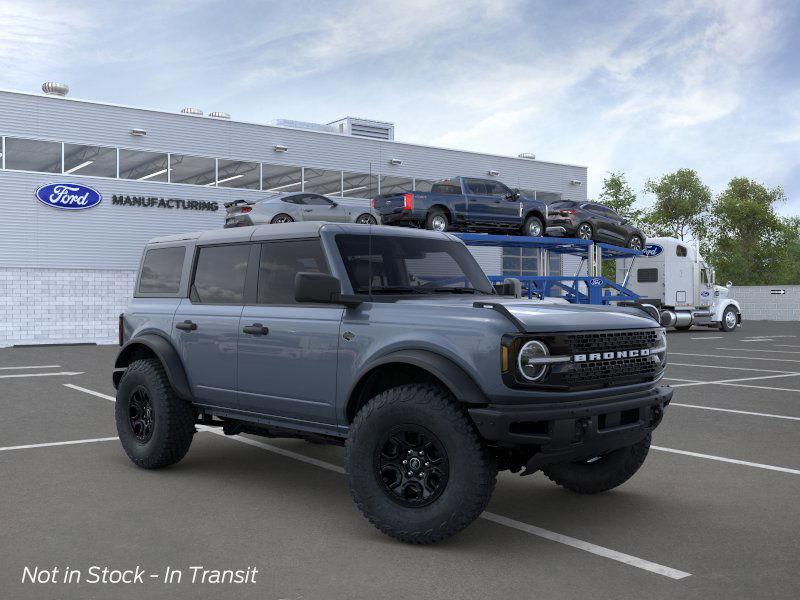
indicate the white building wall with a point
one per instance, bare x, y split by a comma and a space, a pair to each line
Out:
759, 303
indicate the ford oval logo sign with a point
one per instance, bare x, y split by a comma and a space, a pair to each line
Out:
595, 281
705, 293
68, 196
652, 250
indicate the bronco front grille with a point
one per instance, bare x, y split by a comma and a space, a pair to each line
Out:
619, 369
580, 343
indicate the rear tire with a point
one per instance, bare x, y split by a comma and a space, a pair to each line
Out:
366, 219
453, 474
437, 220
601, 474
584, 232
282, 218
533, 227
154, 425
729, 320
635, 243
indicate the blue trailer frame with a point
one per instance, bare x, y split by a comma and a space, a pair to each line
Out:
599, 290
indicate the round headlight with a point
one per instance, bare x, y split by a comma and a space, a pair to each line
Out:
526, 360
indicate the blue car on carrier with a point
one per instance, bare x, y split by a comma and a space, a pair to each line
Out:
465, 204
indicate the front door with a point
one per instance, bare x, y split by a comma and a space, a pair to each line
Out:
319, 208
288, 351
206, 325
486, 204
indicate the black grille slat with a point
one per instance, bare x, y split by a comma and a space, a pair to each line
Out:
611, 340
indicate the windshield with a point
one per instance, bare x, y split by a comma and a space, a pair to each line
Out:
410, 265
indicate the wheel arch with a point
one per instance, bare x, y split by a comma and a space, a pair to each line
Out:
535, 212
729, 303
152, 345
444, 208
411, 366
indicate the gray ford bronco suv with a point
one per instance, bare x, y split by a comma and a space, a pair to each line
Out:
393, 343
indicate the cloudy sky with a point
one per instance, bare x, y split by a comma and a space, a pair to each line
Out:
641, 87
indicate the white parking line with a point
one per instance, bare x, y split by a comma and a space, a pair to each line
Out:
759, 350
738, 412
727, 460
92, 392
731, 381
16, 375
787, 346
518, 525
67, 443
672, 364
31, 367
739, 357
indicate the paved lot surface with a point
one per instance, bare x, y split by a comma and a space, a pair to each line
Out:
714, 513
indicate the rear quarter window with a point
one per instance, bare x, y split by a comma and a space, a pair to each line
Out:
161, 270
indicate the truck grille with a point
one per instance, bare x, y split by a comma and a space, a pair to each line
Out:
612, 340
616, 370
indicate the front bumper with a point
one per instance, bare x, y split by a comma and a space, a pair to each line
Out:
577, 430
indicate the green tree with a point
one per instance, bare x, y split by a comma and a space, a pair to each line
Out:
681, 205
749, 243
618, 195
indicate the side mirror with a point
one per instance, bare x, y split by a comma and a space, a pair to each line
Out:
334, 204
729, 285
321, 288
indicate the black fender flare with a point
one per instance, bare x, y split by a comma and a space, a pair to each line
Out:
165, 352
535, 212
458, 381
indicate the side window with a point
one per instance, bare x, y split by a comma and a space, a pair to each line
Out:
315, 200
294, 199
704, 276
495, 188
220, 273
476, 186
647, 275
446, 187
280, 262
161, 270
681, 250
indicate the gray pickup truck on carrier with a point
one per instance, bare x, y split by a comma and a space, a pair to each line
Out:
393, 343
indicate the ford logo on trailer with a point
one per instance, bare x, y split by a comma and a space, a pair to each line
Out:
68, 196
652, 250
596, 281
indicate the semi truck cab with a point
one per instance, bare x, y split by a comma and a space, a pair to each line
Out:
672, 276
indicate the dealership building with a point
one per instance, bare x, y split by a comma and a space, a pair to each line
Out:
65, 275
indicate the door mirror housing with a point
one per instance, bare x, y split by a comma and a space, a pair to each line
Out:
334, 204
320, 288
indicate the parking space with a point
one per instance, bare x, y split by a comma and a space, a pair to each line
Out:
712, 514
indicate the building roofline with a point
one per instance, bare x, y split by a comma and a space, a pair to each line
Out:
177, 114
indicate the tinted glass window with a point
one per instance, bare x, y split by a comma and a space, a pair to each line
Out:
161, 270
219, 275
476, 186
90, 160
681, 251
389, 264
495, 188
196, 170
322, 181
647, 275
446, 187
144, 166
360, 185
280, 262
425, 185
33, 155
238, 174
280, 178
316, 200
396, 185
294, 199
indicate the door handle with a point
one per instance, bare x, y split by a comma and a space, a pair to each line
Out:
255, 329
186, 326
308, 209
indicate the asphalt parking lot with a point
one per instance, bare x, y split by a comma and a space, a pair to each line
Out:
714, 512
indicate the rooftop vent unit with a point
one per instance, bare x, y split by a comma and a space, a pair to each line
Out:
219, 115
303, 125
376, 130
192, 111
51, 88
527, 155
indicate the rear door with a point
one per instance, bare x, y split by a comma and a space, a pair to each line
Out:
288, 351
504, 207
480, 202
207, 323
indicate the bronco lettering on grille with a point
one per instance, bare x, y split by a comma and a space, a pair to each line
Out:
610, 355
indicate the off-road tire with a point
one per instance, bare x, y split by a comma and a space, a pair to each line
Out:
432, 215
282, 218
529, 223
173, 418
472, 470
609, 471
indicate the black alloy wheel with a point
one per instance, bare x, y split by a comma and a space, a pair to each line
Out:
282, 218
366, 219
140, 414
411, 465
584, 231
635, 243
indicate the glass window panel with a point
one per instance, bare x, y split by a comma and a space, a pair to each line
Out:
144, 166
423, 185
396, 185
322, 181
280, 262
360, 185
219, 276
280, 178
97, 161
194, 170
238, 174
33, 155
161, 271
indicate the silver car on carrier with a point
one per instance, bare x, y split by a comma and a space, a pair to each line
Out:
289, 207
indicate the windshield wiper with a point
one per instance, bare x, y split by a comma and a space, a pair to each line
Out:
389, 289
458, 290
